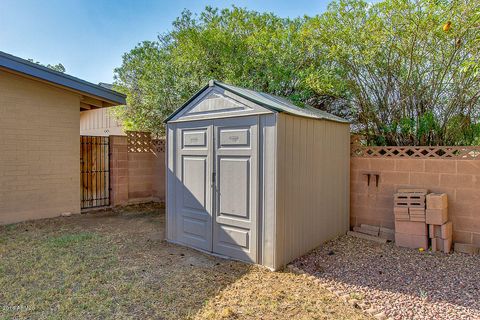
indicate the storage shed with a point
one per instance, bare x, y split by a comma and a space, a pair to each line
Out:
255, 178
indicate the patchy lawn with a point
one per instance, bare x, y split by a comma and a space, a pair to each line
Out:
114, 264
403, 283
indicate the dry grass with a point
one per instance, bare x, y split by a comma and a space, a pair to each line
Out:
114, 264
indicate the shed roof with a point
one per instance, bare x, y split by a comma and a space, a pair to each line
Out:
35, 70
271, 102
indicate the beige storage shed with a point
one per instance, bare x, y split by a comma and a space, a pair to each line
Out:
253, 177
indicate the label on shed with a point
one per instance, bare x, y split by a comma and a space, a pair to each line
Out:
234, 137
194, 138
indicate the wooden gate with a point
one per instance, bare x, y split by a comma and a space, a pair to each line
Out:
94, 172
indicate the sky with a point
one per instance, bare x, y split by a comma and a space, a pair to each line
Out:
89, 37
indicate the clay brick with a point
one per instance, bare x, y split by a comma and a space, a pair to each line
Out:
437, 201
466, 248
437, 216
445, 231
444, 245
411, 228
411, 241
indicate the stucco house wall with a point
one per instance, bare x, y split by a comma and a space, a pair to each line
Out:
39, 149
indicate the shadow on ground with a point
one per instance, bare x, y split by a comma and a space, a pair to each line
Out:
115, 264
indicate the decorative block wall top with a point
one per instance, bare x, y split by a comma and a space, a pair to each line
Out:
140, 142
454, 153
158, 145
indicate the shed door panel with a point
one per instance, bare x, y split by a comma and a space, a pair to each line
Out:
235, 196
193, 191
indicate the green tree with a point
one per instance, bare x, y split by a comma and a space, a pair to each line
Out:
390, 67
57, 67
241, 47
409, 68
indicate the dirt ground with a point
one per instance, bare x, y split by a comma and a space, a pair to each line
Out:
115, 264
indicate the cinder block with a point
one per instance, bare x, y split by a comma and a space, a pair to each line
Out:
366, 231
409, 196
411, 241
437, 216
402, 217
370, 227
417, 214
401, 203
412, 190
386, 233
401, 213
411, 228
445, 231
437, 201
418, 218
466, 248
400, 210
444, 245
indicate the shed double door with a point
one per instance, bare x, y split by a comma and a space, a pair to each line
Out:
217, 186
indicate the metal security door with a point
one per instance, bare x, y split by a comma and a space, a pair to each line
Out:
194, 184
94, 172
236, 188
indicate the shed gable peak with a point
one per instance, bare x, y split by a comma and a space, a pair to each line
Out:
216, 102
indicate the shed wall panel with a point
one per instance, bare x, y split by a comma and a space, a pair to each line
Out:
267, 199
313, 168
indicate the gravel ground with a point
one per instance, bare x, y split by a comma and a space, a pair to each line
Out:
403, 283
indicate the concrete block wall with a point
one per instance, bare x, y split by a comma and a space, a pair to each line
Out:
135, 176
118, 170
39, 150
459, 179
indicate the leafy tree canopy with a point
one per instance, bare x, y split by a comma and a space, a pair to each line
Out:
57, 67
405, 72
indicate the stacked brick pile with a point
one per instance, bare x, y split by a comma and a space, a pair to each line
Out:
411, 229
439, 228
